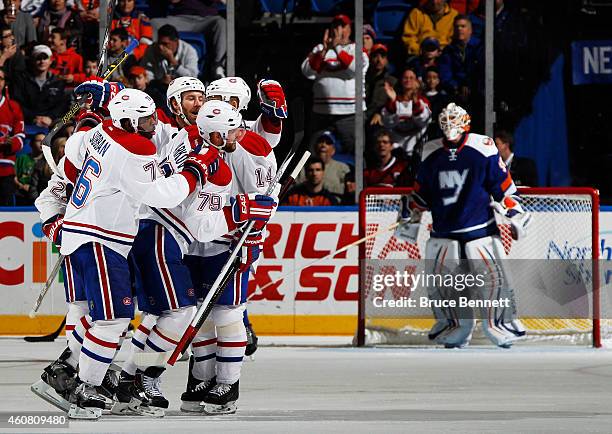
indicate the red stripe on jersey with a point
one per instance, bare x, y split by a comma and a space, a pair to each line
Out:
69, 327
204, 343
254, 144
231, 344
69, 279
131, 142
143, 329
99, 341
103, 276
85, 323
163, 269
98, 228
164, 337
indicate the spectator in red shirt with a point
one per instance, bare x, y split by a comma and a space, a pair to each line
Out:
389, 171
311, 191
11, 141
65, 61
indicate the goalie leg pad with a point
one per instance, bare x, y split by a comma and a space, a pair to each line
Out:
486, 257
231, 342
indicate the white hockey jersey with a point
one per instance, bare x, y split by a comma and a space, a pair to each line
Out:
52, 200
119, 172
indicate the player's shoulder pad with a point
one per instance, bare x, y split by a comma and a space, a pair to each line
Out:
256, 145
483, 144
131, 142
223, 175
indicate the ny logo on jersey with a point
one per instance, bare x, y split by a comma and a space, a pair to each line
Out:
452, 179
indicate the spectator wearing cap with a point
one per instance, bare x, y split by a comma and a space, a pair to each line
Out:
433, 18
438, 99
331, 65
168, 58
21, 23
39, 92
335, 171
12, 60
406, 113
199, 16
376, 77
462, 66
369, 38
312, 192
56, 14
428, 57
65, 61
135, 22
138, 79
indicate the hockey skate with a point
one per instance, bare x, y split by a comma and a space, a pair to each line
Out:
221, 399
251, 346
108, 386
150, 380
196, 392
130, 399
73, 409
440, 327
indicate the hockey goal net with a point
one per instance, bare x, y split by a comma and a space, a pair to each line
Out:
565, 227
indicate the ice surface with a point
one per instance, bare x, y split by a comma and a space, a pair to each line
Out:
344, 389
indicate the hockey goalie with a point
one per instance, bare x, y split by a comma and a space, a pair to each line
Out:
463, 184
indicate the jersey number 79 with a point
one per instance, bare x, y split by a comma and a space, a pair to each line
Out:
91, 168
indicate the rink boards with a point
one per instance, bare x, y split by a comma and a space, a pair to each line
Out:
319, 298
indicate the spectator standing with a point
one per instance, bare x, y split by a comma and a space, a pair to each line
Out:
21, 23
388, 171
406, 113
57, 14
311, 192
39, 92
335, 171
376, 77
523, 170
369, 38
331, 65
200, 16
11, 142
24, 168
433, 18
169, 58
136, 23
428, 57
438, 99
65, 61
12, 60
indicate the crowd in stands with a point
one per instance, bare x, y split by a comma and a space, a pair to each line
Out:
46, 52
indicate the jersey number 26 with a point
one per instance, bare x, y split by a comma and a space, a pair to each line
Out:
91, 168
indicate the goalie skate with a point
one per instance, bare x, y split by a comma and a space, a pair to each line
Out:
221, 399
47, 393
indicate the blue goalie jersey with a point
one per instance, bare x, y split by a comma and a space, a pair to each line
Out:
457, 185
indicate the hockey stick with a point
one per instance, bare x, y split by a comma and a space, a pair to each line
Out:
74, 108
47, 285
47, 338
329, 255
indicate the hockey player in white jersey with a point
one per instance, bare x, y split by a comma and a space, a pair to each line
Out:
118, 171
463, 184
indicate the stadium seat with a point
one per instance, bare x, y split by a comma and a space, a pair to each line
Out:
197, 41
389, 16
345, 158
277, 6
324, 6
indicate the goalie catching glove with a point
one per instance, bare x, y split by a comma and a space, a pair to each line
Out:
272, 99
52, 228
510, 208
409, 221
98, 92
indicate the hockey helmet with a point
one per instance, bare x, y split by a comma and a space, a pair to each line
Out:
217, 117
229, 87
132, 104
177, 87
454, 121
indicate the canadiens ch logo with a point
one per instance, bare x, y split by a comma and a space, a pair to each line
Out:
127, 301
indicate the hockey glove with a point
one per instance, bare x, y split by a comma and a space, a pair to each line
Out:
409, 222
52, 229
202, 165
255, 207
511, 209
98, 91
195, 140
272, 99
249, 254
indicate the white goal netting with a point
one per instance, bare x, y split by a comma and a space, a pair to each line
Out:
562, 240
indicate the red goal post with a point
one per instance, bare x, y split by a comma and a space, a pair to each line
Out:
582, 201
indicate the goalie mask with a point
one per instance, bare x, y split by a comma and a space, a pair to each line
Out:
135, 106
175, 92
454, 121
218, 123
229, 88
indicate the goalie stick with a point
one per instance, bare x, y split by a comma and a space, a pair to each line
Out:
74, 108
